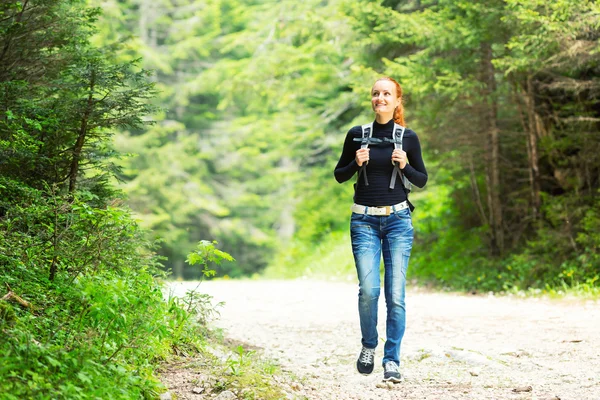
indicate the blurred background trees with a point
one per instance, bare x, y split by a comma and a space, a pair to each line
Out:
257, 97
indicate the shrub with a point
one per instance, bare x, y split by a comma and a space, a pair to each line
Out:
99, 324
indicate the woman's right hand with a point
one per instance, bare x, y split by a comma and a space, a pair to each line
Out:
362, 156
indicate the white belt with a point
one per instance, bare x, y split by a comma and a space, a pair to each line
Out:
386, 210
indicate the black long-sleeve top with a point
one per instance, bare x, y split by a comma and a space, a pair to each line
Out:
379, 169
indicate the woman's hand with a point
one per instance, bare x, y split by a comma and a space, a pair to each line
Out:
362, 155
399, 156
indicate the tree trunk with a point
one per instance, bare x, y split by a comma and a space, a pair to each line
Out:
82, 133
532, 149
492, 149
476, 193
287, 224
8, 43
178, 269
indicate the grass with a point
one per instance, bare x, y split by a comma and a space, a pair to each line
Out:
226, 365
332, 260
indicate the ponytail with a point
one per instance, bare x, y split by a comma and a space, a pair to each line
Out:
399, 114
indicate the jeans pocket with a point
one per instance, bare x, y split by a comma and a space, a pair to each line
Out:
357, 217
403, 222
403, 214
361, 237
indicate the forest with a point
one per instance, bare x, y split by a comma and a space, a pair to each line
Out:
256, 98
136, 134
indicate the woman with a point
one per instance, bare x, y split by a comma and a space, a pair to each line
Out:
381, 221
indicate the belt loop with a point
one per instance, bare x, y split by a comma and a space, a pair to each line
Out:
366, 209
394, 208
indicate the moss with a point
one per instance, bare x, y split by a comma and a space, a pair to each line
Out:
7, 314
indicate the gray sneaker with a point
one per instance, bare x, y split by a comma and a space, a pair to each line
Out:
366, 361
391, 372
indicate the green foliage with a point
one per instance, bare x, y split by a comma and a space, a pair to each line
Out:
97, 325
557, 257
238, 361
7, 315
244, 372
207, 253
436, 50
224, 159
446, 252
86, 336
55, 126
257, 97
331, 257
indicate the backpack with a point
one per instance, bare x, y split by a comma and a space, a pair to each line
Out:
367, 132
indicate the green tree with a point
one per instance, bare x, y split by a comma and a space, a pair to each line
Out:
258, 96
90, 320
480, 75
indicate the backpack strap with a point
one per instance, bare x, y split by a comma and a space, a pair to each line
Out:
397, 145
405, 182
367, 132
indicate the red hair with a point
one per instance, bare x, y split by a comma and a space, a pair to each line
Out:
399, 111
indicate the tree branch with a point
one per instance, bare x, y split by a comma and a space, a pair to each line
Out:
14, 297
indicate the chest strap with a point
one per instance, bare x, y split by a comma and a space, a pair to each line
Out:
366, 139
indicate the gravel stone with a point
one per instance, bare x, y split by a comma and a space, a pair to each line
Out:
226, 395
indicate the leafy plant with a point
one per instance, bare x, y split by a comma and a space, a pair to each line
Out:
205, 254
239, 360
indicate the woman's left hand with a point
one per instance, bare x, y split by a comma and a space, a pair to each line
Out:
399, 156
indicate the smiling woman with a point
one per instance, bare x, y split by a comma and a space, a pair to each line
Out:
381, 219
386, 98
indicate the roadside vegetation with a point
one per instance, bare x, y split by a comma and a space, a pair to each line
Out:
83, 313
127, 135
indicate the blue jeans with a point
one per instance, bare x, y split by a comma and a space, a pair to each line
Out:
372, 235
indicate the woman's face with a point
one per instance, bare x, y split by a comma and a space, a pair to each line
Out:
383, 97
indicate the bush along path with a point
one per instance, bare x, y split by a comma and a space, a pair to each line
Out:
225, 370
221, 368
455, 347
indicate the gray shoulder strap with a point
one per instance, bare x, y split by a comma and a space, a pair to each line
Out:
397, 127
396, 171
367, 132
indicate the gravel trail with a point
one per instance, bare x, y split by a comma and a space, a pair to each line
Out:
455, 346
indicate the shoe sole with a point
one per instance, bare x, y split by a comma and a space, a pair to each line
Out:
393, 380
364, 373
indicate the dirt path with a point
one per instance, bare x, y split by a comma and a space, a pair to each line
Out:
455, 347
